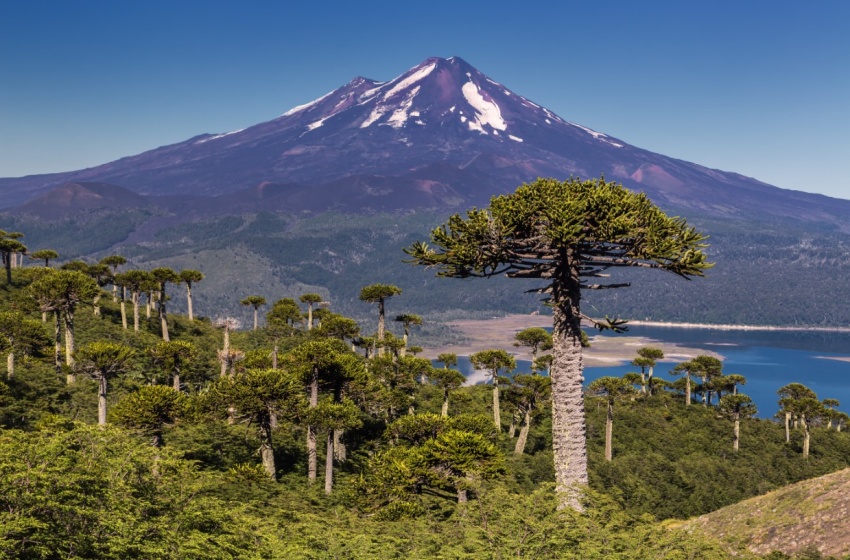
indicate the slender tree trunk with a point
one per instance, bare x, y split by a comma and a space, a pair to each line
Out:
267, 449
43, 316
176, 380
136, 296
687, 390
497, 417
649, 380
57, 346
124, 314
806, 437
274, 357
225, 351
148, 306
162, 318
568, 423
737, 432
114, 292
311, 431
519, 449
380, 326
609, 432
642, 381
787, 427
189, 300
69, 337
445, 411
329, 463
309, 316
96, 305
705, 393
8, 269
256, 312
101, 401
10, 365
403, 351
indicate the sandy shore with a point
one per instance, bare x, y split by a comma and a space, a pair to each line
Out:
736, 327
604, 351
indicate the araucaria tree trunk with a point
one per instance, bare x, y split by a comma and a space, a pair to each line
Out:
329, 463
519, 449
380, 326
163, 319
267, 449
806, 440
568, 425
737, 437
312, 463
609, 432
69, 337
189, 300
10, 365
497, 416
101, 400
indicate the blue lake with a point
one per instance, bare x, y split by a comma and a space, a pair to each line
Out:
768, 359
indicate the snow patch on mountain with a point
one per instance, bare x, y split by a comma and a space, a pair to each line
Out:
300, 108
400, 115
410, 80
515, 138
217, 136
488, 113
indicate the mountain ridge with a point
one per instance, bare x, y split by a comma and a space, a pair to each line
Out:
441, 135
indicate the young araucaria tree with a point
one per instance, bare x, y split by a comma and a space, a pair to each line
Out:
189, 277
611, 390
568, 234
255, 302
494, 362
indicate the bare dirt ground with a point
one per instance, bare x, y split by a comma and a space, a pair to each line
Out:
604, 351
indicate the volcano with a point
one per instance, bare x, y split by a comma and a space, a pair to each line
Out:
441, 135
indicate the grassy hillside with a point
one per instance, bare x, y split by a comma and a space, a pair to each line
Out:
810, 517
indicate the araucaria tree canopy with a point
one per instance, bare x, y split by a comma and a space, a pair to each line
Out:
568, 234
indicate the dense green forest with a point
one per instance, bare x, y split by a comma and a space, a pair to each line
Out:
215, 443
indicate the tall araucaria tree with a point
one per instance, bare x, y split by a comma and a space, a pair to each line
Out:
113, 262
533, 337
494, 362
611, 390
135, 281
407, 320
570, 235
19, 333
163, 276
103, 360
189, 277
378, 293
310, 300
255, 302
44, 255
735, 407
9, 247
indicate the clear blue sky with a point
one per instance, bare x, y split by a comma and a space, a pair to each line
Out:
757, 87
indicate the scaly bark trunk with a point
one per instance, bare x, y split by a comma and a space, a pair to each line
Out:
69, 337
737, 433
806, 437
256, 317
189, 300
176, 380
312, 465
225, 351
687, 390
101, 401
162, 317
123, 314
10, 365
519, 449
568, 423
497, 417
329, 464
135, 295
609, 432
309, 316
267, 449
380, 327
57, 346
787, 427
445, 411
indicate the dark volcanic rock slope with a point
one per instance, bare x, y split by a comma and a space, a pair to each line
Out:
440, 135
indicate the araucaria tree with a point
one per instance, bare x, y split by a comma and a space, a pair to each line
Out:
378, 293
163, 276
494, 362
103, 361
189, 277
568, 234
255, 302
310, 300
735, 407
